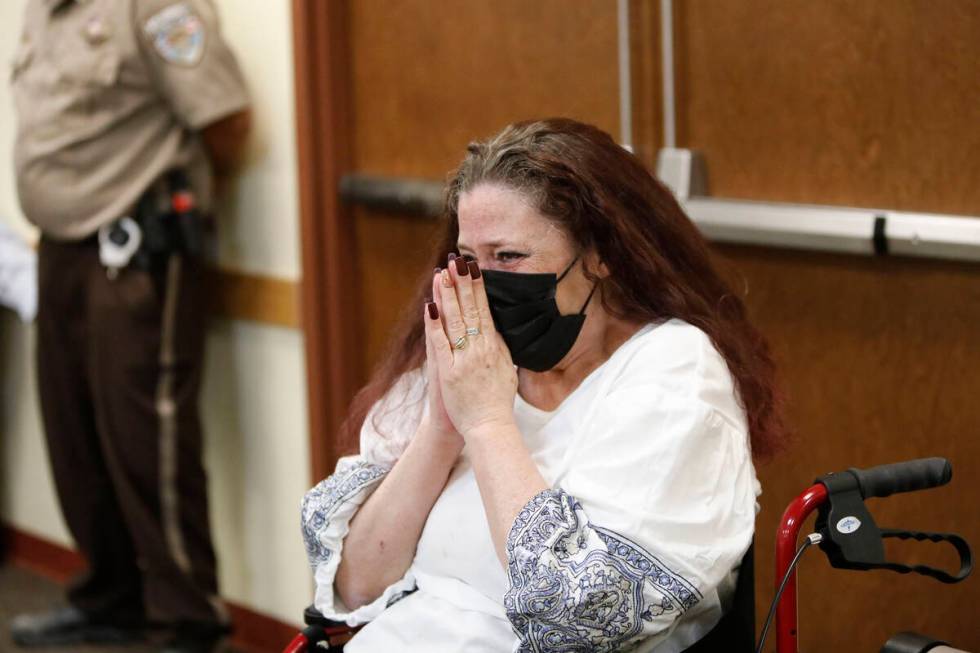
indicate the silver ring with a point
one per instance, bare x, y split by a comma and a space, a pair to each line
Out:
472, 331
460, 343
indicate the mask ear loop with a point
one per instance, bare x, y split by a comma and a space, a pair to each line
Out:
567, 270
588, 299
592, 292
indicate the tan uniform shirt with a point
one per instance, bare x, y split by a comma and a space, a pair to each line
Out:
109, 96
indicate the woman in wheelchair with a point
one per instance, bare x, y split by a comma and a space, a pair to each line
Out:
556, 454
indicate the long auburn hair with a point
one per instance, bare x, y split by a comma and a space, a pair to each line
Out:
658, 262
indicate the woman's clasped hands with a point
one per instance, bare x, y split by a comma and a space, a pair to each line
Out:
469, 366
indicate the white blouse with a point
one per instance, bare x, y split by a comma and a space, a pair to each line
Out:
634, 548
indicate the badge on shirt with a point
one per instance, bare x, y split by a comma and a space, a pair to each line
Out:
177, 34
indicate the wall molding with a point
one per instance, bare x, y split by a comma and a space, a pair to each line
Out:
254, 632
257, 298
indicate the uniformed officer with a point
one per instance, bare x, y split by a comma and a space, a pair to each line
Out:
128, 111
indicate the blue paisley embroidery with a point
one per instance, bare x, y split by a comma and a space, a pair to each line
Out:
579, 588
322, 502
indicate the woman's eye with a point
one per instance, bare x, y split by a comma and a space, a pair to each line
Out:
509, 256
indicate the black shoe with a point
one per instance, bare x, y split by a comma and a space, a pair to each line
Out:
68, 626
195, 638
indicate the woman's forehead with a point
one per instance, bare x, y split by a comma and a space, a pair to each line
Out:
492, 215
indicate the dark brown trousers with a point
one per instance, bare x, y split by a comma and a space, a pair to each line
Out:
119, 369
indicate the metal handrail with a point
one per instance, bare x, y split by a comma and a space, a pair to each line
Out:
796, 226
421, 197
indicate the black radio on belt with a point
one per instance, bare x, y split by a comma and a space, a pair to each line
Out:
169, 218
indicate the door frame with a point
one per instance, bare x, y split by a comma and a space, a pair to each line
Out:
327, 288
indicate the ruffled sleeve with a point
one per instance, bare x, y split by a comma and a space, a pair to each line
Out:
329, 507
636, 540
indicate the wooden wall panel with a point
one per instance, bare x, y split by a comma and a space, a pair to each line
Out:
866, 104
645, 70
393, 252
429, 77
836, 102
880, 358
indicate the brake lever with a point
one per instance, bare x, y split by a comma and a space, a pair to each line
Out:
852, 539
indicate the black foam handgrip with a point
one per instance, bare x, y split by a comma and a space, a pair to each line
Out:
909, 476
910, 643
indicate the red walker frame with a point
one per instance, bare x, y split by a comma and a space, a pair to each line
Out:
786, 536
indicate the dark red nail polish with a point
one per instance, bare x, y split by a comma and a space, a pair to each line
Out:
433, 310
474, 269
461, 268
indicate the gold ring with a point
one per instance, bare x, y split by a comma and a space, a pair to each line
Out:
460, 343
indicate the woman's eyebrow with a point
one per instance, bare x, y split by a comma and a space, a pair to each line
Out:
491, 245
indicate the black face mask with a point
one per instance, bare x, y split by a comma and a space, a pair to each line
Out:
526, 315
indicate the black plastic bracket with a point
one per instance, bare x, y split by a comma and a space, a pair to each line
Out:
851, 539
879, 239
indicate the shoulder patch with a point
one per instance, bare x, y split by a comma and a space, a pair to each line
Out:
177, 34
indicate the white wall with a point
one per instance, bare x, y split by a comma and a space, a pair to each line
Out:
258, 457
263, 236
254, 400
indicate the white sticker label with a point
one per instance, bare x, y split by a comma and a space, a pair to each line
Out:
849, 524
